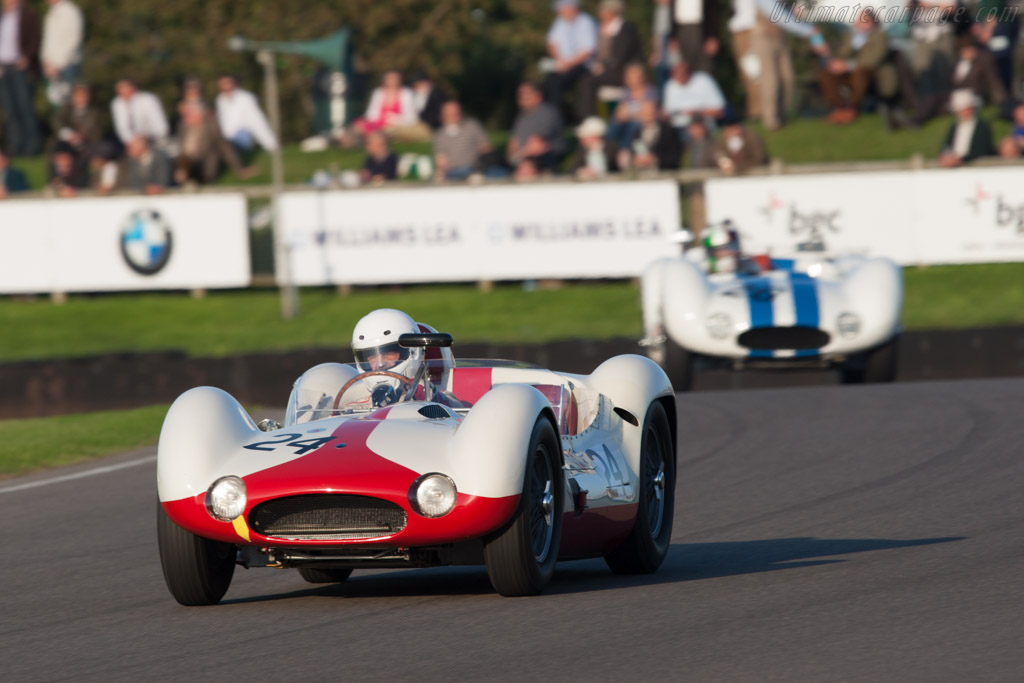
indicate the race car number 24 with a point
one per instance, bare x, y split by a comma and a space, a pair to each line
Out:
301, 446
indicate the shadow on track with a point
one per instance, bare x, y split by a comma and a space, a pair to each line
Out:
685, 562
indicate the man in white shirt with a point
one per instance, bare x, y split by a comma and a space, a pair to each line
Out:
63, 33
688, 96
19, 69
137, 114
572, 42
241, 120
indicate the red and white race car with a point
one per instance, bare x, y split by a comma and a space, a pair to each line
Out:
487, 462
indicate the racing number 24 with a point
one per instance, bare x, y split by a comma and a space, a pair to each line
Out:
301, 446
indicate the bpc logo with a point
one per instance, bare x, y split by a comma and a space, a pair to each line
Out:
146, 242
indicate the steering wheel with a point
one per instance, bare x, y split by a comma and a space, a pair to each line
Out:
382, 373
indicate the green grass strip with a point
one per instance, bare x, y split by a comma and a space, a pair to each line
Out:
37, 443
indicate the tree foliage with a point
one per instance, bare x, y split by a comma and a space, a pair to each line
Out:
477, 49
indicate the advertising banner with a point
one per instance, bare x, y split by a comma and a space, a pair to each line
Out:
966, 215
124, 243
563, 230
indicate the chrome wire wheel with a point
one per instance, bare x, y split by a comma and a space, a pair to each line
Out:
542, 501
654, 466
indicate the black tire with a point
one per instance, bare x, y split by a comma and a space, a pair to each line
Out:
521, 557
197, 570
645, 548
679, 366
876, 366
881, 363
313, 575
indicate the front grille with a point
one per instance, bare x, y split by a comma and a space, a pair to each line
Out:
777, 338
327, 517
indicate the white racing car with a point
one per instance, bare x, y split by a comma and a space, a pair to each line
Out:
714, 307
426, 463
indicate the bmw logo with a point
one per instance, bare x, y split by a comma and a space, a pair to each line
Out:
146, 242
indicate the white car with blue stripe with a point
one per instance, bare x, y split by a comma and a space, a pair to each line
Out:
813, 310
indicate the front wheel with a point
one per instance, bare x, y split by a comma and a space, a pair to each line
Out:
197, 570
521, 557
878, 365
679, 365
645, 548
314, 575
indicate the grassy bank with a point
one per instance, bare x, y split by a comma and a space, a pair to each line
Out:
227, 323
27, 445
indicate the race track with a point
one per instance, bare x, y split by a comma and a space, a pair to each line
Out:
822, 534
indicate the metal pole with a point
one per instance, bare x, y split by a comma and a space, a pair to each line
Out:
282, 252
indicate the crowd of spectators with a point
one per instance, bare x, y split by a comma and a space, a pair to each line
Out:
603, 104
130, 143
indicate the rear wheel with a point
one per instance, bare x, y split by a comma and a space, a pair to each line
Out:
645, 548
313, 575
521, 557
197, 570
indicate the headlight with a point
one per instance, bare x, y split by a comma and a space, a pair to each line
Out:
432, 495
225, 500
848, 325
719, 325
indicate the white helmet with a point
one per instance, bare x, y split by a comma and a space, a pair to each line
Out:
375, 346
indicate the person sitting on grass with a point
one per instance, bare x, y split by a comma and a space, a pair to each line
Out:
655, 145
1012, 146
11, 178
381, 163
970, 137
69, 171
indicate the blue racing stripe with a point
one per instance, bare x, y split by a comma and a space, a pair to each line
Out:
783, 264
805, 297
761, 299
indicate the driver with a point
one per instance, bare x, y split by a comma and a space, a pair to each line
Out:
375, 347
723, 253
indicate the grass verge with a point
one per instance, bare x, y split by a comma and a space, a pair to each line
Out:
37, 443
226, 323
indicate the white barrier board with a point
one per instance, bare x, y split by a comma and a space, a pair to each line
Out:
124, 243
967, 215
563, 230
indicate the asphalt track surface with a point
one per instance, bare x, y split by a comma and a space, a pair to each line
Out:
829, 533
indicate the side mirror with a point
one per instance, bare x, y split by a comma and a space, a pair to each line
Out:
425, 339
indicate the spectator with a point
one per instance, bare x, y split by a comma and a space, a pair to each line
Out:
19, 69
68, 171
696, 30
741, 29
858, 62
146, 168
665, 49
1012, 146
595, 156
460, 144
63, 33
974, 70
688, 96
78, 123
11, 178
655, 145
771, 62
537, 133
137, 114
428, 99
970, 136
381, 163
618, 44
627, 115
933, 50
201, 146
241, 120
739, 148
998, 28
393, 110
572, 43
